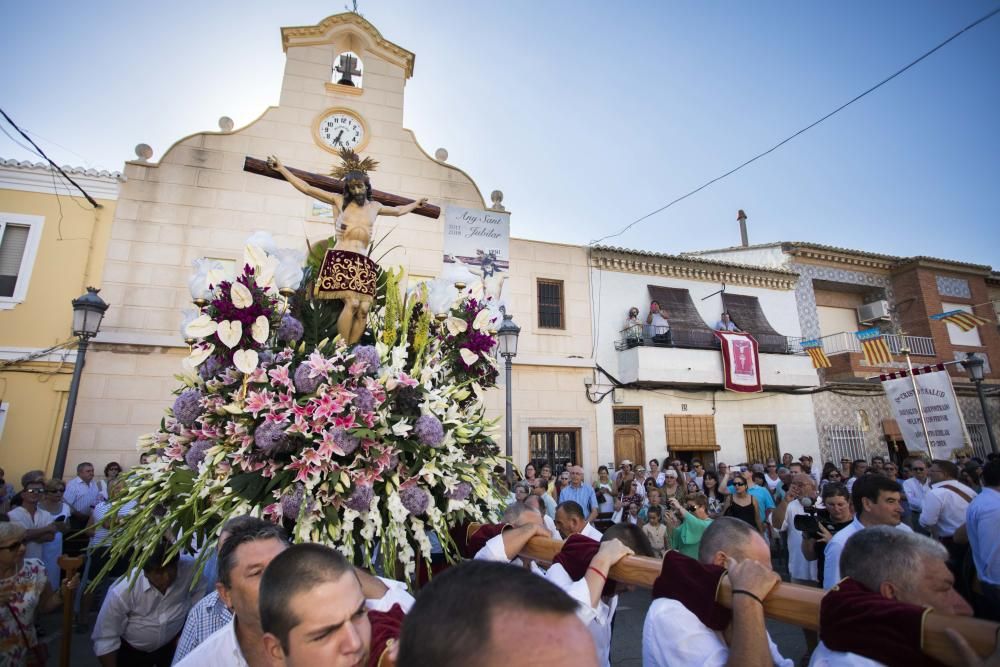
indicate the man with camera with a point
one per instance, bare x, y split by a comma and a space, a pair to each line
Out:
837, 514
796, 516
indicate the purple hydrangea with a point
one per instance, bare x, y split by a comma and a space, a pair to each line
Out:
364, 400
345, 440
266, 358
415, 500
368, 355
304, 383
271, 438
429, 431
290, 329
187, 406
196, 453
460, 492
291, 503
361, 498
209, 368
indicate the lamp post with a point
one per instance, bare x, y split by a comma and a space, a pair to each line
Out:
507, 344
974, 365
88, 311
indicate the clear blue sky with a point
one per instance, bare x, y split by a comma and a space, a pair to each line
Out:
586, 114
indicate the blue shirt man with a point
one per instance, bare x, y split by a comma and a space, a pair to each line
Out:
580, 493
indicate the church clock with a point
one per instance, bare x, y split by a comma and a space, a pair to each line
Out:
339, 128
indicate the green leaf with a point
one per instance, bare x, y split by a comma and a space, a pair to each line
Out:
249, 485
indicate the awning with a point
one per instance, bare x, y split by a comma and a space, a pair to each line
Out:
691, 433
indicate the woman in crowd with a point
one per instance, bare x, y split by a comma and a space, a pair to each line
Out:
656, 530
53, 503
692, 488
714, 495
605, 497
672, 488
111, 473
530, 473
697, 472
24, 592
694, 519
647, 487
743, 506
655, 473
546, 475
633, 495
522, 490
631, 515
561, 483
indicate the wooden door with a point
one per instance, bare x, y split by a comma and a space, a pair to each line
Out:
628, 445
762, 442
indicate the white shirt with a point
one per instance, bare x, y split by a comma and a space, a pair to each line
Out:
141, 615
551, 525
835, 547
597, 620
982, 519
674, 637
772, 484
798, 566
659, 321
915, 492
40, 520
591, 532
824, 657
945, 508
81, 496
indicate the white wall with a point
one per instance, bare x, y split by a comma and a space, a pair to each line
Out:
770, 257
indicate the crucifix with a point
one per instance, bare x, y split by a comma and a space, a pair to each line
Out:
347, 68
347, 272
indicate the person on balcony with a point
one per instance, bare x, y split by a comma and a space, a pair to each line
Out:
726, 323
657, 324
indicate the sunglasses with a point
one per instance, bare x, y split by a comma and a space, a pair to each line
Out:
14, 547
55, 490
919, 469
738, 484
34, 491
691, 508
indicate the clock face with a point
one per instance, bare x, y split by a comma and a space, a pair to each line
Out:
339, 129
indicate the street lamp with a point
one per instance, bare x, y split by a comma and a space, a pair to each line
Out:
88, 311
974, 365
507, 347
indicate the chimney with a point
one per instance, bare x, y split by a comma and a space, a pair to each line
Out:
742, 217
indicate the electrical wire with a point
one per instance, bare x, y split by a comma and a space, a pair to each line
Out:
803, 130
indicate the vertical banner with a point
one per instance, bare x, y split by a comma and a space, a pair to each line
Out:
940, 407
740, 361
477, 249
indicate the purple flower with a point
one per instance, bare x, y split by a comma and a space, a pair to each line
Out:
345, 440
291, 503
460, 492
187, 406
361, 498
270, 438
368, 355
196, 453
266, 358
290, 329
364, 400
428, 431
304, 383
209, 368
415, 500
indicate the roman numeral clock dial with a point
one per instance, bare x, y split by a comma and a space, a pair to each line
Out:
336, 129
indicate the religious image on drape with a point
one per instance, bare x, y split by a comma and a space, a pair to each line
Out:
740, 361
326, 400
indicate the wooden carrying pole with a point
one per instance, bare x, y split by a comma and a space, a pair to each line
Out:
797, 605
330, 184
70, 564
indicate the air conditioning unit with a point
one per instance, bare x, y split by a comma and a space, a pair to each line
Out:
618, 396
876, 310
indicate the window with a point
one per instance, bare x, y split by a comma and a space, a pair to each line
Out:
627, 416
980, 439
845, 442
762, 442
19, 238
956, 335
559, 447
550, 304
690, 433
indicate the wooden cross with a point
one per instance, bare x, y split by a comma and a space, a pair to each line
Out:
330, 184
347, 68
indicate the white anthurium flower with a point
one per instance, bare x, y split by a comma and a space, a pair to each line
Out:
482, 319
263, 240
468, 356
198, 355
261, 329
201, 327
289, 272
246, 361
230, 333
456, 325
241, 295
401, 429
217, 274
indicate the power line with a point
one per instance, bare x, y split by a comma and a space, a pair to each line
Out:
49, 160
805, 129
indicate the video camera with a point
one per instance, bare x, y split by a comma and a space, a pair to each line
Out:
809, 523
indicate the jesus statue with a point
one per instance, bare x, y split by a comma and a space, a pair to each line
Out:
354, 272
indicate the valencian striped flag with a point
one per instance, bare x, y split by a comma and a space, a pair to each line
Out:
814, 348
961, 319
874, 346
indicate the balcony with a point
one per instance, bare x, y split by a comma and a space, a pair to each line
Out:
652, 358
846, 342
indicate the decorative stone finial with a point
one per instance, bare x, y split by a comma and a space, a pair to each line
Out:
143, 152
497, 197
226, 124
441, 155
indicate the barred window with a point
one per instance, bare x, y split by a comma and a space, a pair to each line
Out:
627, 416
550, 304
